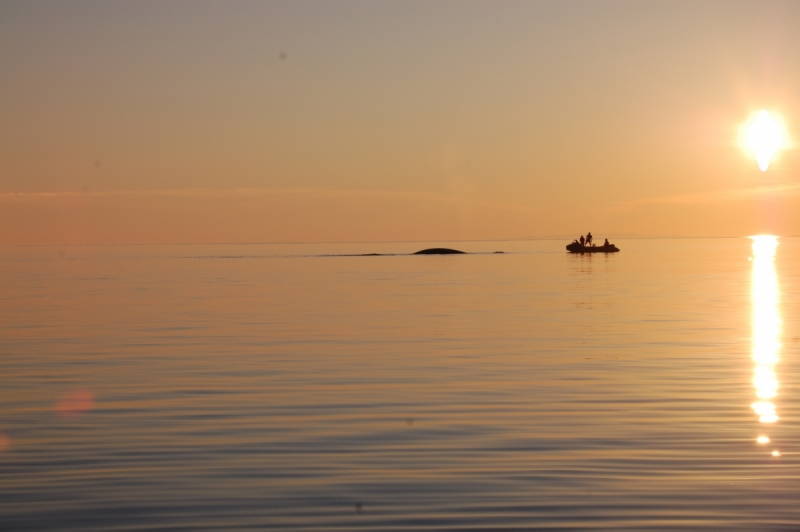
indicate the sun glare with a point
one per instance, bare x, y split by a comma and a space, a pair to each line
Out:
766, 334
763, 136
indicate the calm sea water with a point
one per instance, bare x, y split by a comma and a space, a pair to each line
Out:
268, 387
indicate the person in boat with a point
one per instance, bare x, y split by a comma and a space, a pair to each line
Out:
606, 244
582, 240
589, 238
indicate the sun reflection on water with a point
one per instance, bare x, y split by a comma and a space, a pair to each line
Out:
766, 325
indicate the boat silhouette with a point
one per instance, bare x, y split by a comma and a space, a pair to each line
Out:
576, 247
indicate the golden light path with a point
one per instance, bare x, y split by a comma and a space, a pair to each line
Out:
766, 325
763, 136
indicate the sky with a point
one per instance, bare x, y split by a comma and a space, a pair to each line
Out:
167, 121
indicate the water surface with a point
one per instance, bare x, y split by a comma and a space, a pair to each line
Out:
251, 387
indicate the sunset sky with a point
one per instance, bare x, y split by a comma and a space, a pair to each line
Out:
331, 120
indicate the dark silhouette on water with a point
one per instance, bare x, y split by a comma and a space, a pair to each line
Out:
438, 251
579, 247
584, 244
427, 251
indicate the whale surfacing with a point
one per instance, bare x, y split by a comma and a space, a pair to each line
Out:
438, 251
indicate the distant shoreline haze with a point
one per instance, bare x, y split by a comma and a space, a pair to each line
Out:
308, 216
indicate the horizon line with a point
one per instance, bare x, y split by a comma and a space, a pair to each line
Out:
401, 241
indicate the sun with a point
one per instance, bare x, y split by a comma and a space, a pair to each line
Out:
763, 136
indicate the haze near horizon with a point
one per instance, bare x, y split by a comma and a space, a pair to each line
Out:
249, 121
